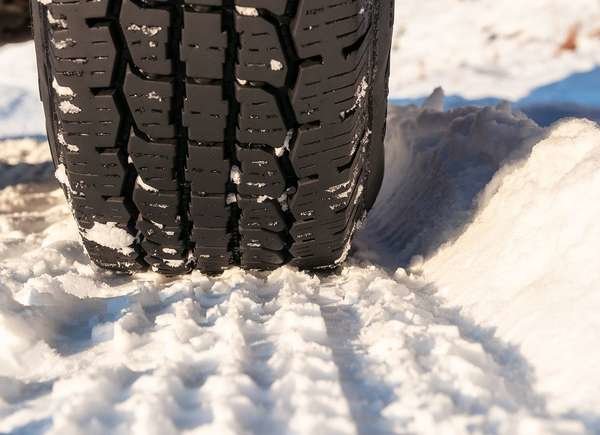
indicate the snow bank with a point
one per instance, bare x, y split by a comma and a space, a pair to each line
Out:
529, 266
437, 163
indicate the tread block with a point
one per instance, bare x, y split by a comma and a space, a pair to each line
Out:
211, 237
205, 113
155, 162
159, 207
95, 208
252, 239
88, 121
159, 233
209, 211
150, 105
261, 215
146, 31
260, 120
212, 260
81, 56
260, 57
257, 258
110, 259
261, 175
325, 27
319, 150
203, 52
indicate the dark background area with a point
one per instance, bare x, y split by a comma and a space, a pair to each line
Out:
15, 21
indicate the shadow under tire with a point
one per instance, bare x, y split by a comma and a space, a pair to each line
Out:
213, 133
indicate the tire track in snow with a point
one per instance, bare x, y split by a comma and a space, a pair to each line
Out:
366, 395
307, 390
410, 366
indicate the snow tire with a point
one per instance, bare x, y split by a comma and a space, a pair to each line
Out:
215, 133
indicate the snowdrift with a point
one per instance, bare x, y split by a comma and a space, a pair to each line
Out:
490, 328
501, 219
529, 263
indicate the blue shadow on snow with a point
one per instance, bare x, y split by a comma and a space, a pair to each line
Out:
577, 95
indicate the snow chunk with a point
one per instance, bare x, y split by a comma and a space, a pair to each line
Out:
247, 11
276, 65
262, 198
110, 236
64, 43
61, 175
61, 140
236, 175
154, 96
56, 21
174, 263
145, 186
286, 144
62, 91
146, 30
68, 107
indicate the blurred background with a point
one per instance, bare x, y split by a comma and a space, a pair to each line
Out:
15, 23
541, 55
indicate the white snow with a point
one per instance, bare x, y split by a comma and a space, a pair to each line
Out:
247, 11
286, 144
68, 107
276, 65
110, 236
64, 43
364, 352
468, 304
154, 96
145, 186
61, 140
61, 23
529, 266
61, 175
21, 113
235, 175
62, 91
486, 48
146, 30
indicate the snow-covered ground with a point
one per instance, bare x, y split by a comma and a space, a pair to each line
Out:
490, 48
469, 304
497, 332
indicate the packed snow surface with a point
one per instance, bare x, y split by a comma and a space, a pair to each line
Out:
494, 331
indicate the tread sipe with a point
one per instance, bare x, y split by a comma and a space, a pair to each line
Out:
211, 133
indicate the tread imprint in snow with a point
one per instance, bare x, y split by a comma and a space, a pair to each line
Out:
224, 131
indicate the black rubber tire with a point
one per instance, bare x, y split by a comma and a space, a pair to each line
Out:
215, 133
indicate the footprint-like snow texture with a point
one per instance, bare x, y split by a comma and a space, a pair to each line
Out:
455, 343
